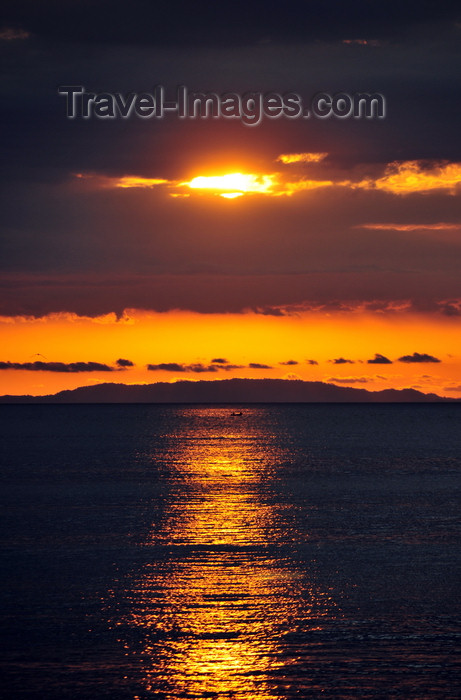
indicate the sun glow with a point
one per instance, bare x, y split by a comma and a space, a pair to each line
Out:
233, 184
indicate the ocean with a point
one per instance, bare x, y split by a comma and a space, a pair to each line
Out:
244, 552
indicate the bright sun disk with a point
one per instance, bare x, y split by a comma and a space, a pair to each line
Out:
233, 184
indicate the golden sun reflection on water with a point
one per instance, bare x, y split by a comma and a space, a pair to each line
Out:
214, 609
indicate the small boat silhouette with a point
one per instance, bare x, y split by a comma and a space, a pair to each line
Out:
237, 413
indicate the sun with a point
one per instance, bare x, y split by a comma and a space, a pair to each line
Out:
233, 185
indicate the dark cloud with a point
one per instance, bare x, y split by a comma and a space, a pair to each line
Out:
311, 362
379, 360
124, 363
341, 361
89, 294
180, 23
452, 308
257, 365
265, 258
168, 367
271, 312
222, 363
348, 380
289, 362
418, 357
197, 367
13, 34
39, 366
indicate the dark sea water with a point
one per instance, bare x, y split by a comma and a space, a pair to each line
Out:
295, 551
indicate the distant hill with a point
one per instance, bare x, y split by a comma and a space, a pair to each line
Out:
228, 391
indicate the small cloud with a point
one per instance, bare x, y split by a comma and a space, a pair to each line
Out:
341, 361
216, 365
379, 360
289, 362
124, 363
72, 367
441, 226
257, 365
450, 308
13, 34
362, 42
413, 176
197, 368
167, 367
288, 158
453, 388
229, 367
291, 376
270, 311
128, 182
311, 362
348, 380
418, 357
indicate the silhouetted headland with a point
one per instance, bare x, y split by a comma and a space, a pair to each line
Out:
228, 391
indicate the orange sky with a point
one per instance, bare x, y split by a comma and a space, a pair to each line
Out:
189, 338
327, 340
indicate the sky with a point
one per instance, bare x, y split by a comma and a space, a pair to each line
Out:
145, 249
